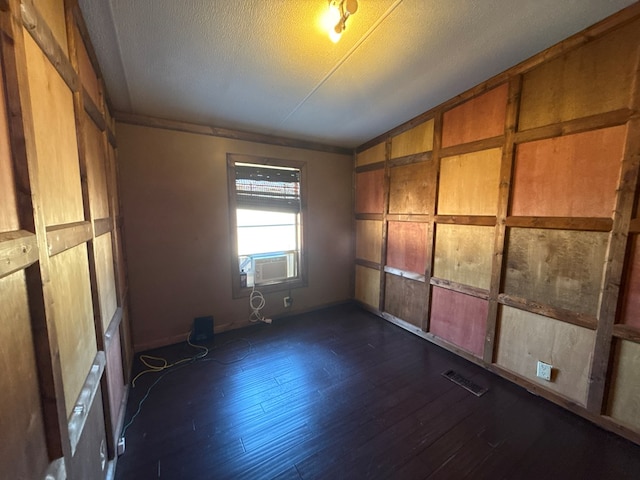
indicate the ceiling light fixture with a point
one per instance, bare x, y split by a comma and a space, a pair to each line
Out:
339, 11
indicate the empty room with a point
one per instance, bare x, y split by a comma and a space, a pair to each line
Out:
318, 239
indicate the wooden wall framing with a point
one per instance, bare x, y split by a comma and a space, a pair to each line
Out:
527, 194
62, 283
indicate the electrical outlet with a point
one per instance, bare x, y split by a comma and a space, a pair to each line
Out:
544, 371
288, 301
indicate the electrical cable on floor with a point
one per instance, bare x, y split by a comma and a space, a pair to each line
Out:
175, 366
256, 315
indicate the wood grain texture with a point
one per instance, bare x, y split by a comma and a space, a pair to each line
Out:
18, 250
24, 450
406, 299
524, 338
624, 394
463, 254
368, 240
96, 171
476, 119
55, 138
407, 246
105, 278
459, 319
8, 206
416, 140
73, 316
556, 267
581, 82
469, 183
88, 76
374, 154
52, 11
115, 379
412, 188
368, 286
571, 176
370, 192
630, 312
64, 237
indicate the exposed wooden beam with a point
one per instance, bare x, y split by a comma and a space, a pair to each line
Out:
562, 223
64, 237
18, 250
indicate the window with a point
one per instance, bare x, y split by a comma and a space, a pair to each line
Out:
266, 217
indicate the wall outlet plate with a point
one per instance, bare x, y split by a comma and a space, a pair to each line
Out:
287, 301
544, 371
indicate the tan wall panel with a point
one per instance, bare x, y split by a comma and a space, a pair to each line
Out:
88, 75
115, 378
624, 397
368, 240
96, 173
23, 453
8, 208
524, 338
571, 176
368, 286
407, 246
631, 301
412, 188
469, 183
417, 140
370, 192
53, 13
73, 316
556, 267
55, 138
479, 118
406, 299
595, 78
374, 154
464, 254
459, 319
106, 278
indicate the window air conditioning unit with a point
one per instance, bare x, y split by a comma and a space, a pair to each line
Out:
269, 269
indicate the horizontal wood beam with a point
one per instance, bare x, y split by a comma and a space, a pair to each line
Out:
102, 226
368, 264
479, 220
93, 111
411, 159
562, 223
18, 250
112, 330
64, 237
634, 226
626, 332
460, 288
574, 318
405, 274
409, 217
369, 216
228, 133
370, 167
485, 144
41, 33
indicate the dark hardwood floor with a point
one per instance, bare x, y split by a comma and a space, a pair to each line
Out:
341, 393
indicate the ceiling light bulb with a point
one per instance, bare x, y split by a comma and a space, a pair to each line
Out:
350, 6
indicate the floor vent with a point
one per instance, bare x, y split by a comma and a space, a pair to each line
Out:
465, 383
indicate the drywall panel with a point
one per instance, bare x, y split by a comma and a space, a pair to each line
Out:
55, 138
8, 208
96, 172
115, 378
52, 11
524, 338
368, 286
407, 246
105, 278
73, 314
469, 183
416, 140
370, 191
459, 319
631, 301
88, 75
464, 254
589, 80
571, 176
374, 154
624, 396
476, 119
412, 188
24, 454
556, 267
406, 299
368, 240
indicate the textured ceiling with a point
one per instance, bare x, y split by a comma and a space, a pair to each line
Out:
266, 66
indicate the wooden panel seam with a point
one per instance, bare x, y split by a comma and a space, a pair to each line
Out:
18, 250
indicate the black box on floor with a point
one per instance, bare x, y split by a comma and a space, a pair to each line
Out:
202, 329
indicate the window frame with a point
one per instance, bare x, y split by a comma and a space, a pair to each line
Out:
301, 279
